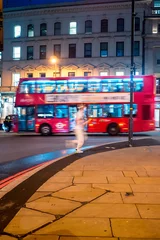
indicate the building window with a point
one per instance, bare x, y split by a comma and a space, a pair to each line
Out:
104, 73
88, 50
29, 75
17, 31
16, 53
71, 74
120, 25
15, 79
57, 28
57, 50
43, 49
72, 50
120, 49
88, 26
73, 28
136, 48
158, 61
137, 24
119, 73
104, 25
30, 30
0, 56
103, 49
156, 3
158, 28
42, 75
43, 29
30, 53
87, 74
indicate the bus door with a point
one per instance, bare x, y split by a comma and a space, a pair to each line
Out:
72, 114
61, 123
26, 118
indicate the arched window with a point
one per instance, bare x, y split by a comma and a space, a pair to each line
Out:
120, 25
43, 29
57, 28
137, 24
30, 30
104, 25
88, 26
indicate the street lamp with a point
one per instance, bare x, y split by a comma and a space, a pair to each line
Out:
130, 139
54, 61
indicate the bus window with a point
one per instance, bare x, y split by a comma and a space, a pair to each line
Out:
127, 110
45, 86
112, 85
77, 86
45, 111
94, 110
112, 110
61, 86
61, 111
27, 87
94, 85
138, 86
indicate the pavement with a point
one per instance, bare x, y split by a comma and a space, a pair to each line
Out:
110, 192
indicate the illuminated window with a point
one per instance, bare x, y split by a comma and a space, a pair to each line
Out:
0, 56
29, 52
71, 74
103, 73
73, 28
16, 53
156, 3
17, 31
15, 79
30, 30
119, 73
120, 49
137, 73
104, 49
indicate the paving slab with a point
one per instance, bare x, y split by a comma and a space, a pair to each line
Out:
41, 237
130, 174
144, 188
97, 179
79, 227
139, 238
152, 198
103, 173
79, 192
147, 180
109, 198
113, 179
149, 211
74, 173
141, 173
27, 220
136, 228
87, 238
52, 187
38, 195
93, 210
57, 179
113, 187
53, 205
3, 237
153, 173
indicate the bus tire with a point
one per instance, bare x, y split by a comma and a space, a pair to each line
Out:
113, 129
45, 130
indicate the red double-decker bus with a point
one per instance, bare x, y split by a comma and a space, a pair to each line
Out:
48, 105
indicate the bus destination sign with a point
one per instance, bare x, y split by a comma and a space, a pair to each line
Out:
87, 98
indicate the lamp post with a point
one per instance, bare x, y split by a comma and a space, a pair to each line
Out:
130, 139
53, 61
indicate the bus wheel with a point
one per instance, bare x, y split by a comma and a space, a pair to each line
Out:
45, 130
113, 129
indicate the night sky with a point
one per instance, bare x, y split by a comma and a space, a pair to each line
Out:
20, 3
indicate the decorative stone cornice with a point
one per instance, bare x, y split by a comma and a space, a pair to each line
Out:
72, 9
15, 68
120, 65
103, 66
87, 67
29, 68
41, 68
70, 67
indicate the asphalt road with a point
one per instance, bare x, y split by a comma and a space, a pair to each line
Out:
20, 152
